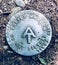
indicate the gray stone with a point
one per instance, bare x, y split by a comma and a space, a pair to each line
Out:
27, 1
9, 51
0, 1
5, 47
14, 11
20, 3
1, 11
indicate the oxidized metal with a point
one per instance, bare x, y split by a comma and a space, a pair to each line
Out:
28, 32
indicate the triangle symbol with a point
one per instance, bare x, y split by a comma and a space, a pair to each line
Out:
29, 32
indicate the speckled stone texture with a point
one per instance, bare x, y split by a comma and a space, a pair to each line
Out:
47, 7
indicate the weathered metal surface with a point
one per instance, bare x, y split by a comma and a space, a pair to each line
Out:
28, 32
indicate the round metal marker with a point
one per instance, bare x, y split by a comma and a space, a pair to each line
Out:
28, 32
